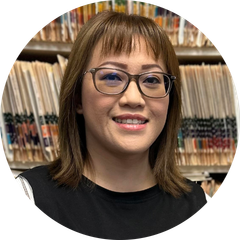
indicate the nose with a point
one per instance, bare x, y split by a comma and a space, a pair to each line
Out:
132, 97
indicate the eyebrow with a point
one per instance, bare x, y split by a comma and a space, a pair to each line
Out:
124, 66
121, 65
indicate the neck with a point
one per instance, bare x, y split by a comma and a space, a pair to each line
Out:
121, 173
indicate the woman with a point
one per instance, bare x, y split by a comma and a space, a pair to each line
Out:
120, 106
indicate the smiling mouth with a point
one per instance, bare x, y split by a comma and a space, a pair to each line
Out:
129, 121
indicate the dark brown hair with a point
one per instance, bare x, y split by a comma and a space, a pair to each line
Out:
116, 31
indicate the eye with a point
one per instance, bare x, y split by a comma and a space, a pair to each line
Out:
111, 77
152, 80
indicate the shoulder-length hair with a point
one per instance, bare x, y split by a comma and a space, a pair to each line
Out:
117, 32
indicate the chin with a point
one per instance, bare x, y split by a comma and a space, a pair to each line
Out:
131, 150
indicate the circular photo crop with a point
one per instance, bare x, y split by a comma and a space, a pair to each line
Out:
119, 120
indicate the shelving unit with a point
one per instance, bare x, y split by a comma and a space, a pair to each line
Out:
47, 52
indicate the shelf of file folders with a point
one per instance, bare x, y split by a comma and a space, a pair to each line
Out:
66, 27
22, 142
210, 142
200, 141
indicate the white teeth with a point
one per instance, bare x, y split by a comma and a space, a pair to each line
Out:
129, 121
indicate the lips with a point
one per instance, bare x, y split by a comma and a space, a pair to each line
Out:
132, 116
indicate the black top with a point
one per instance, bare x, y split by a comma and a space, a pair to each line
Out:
102, 213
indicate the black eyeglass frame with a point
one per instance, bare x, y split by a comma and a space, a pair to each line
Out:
130, 78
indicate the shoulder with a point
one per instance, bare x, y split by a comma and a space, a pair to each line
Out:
45, 189
34, 181
36, 173
196, 188
39, 178
196, 195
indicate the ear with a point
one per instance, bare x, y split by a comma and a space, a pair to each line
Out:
79, 109
78, 104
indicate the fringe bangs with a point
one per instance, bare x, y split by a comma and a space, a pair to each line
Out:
123, 35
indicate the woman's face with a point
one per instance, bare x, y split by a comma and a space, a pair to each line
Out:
105, 115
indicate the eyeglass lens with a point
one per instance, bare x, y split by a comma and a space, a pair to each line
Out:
111, 81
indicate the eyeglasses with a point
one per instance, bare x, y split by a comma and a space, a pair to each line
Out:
114, 81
